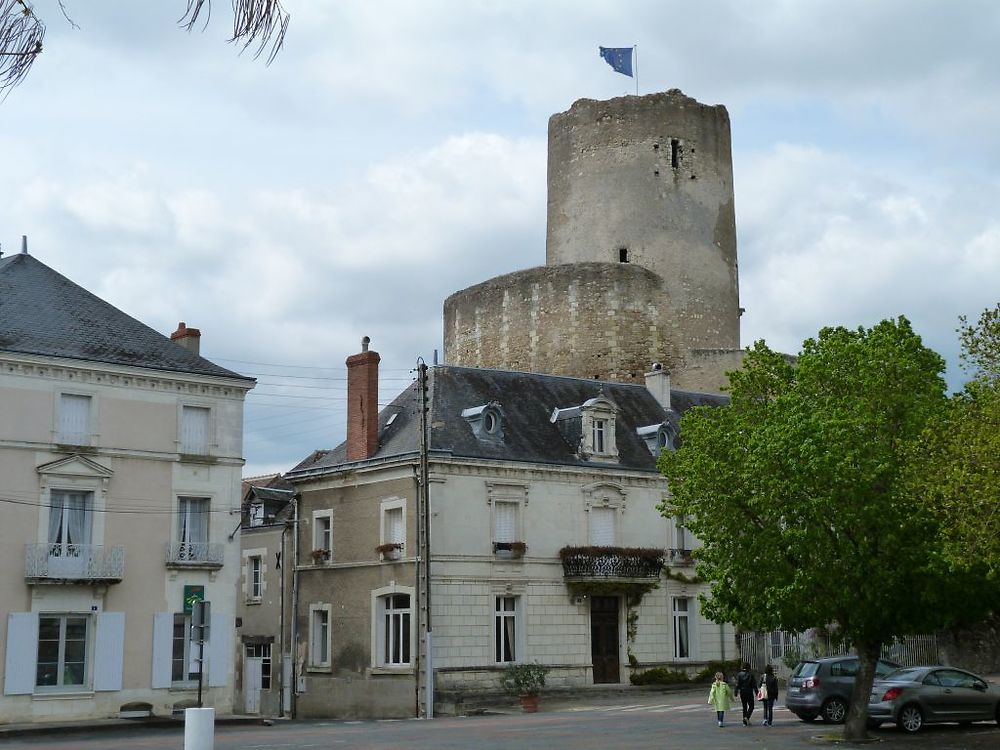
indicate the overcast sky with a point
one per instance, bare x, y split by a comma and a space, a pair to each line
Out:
395, 153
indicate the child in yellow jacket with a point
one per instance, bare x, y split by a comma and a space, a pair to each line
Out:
720, 696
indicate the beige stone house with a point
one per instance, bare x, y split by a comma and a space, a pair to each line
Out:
265, 545
120, 459
545, 541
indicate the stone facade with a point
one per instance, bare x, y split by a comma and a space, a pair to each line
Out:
634, 183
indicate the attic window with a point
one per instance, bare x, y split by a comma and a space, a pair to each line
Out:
597, 428
657, 437
623, 255
486, 421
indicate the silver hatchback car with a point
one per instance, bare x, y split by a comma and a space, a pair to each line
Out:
915, 696
823, 687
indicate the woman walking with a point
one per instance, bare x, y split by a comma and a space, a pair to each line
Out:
719, 697
746, 686
769, 694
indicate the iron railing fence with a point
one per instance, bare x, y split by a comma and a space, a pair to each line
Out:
84, 563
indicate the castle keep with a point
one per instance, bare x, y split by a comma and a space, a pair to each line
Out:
640, 253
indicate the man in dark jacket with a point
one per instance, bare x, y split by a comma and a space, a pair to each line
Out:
746, 686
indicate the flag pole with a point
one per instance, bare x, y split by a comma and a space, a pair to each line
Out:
636, 48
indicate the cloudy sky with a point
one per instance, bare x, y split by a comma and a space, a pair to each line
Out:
395, 152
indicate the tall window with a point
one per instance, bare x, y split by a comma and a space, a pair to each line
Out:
184, 663
70, 520
395, 646
194, 430
505, 521
256, 577
62, 651
505, 629
192, 528
600, 428
319, 636
682, 624
74, 419
322, 532
395, 528
680, 533
602, 526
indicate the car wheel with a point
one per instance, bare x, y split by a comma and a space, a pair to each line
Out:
910, 719
834, 711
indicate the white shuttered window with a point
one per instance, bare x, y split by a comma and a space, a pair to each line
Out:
505, 522
74, 419
194, 430
395, 530
602, 527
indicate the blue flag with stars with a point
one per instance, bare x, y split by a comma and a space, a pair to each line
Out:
619, 58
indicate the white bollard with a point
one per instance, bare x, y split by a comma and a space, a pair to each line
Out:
199, 729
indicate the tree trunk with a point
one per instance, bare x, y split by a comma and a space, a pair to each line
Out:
856, 726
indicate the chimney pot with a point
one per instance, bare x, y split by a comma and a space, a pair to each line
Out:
189, 338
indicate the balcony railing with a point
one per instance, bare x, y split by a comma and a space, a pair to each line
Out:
680, 557
74, 563
195, 554
611, 562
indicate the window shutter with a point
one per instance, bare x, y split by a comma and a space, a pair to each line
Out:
74, 419
602, 527
505, 522
109, 646
194, 430
163, 648
395, 530
22, 652
219, 650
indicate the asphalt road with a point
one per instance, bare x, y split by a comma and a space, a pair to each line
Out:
681, 721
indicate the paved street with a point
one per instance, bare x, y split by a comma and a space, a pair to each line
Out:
674, 720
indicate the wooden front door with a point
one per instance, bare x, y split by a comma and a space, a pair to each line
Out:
604, 638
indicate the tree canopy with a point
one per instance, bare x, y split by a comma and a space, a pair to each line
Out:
957, 464
259, 24
797, 491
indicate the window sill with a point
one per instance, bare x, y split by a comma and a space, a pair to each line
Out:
319, 668
402, 669
254, 601
61, 695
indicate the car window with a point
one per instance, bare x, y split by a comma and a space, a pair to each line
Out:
932, 679
954, 678
806, 669
882, 668
904, 675
846, 668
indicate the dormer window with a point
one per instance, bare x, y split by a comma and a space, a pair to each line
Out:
657, 437
486, 421
598, 427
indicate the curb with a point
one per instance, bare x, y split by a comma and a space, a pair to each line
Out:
104, 725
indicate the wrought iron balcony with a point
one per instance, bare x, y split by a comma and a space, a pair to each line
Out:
680, 557
611, 562
195, 555
74, 563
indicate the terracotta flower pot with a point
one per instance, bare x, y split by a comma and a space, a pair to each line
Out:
529, 703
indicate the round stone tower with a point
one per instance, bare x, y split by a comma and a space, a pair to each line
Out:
640, 253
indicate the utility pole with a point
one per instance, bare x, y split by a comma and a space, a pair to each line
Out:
426, 669
201, 614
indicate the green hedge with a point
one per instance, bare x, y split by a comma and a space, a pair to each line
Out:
659, 676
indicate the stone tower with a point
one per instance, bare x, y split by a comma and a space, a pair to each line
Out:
640, 253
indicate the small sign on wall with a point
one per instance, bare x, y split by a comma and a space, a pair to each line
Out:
192, 594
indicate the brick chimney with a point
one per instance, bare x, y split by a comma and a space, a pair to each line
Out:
362, 403
658, 383
189, 338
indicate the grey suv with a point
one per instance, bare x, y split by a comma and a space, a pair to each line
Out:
823, 687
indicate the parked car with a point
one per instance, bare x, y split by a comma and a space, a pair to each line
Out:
823, 687
915, 696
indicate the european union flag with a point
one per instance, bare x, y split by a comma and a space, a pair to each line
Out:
619, 58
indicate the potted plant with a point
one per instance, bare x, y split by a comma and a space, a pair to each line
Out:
389, 550
509, 550
526, 682
319, 555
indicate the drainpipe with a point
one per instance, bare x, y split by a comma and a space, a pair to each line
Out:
281, 617
295, 597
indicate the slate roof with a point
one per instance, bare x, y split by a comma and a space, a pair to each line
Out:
42, 312
527, 401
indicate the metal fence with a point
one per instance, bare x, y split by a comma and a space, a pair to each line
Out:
783, 650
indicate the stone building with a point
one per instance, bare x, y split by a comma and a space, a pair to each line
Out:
640, 260
546, 542
120, 460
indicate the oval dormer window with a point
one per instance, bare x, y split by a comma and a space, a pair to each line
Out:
490, 422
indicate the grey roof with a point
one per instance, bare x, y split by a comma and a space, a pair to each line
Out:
44, 313
527, 401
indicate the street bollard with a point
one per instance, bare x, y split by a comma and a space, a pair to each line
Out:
199, 729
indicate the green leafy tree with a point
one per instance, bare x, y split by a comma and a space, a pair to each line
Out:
796, 491
957, 465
